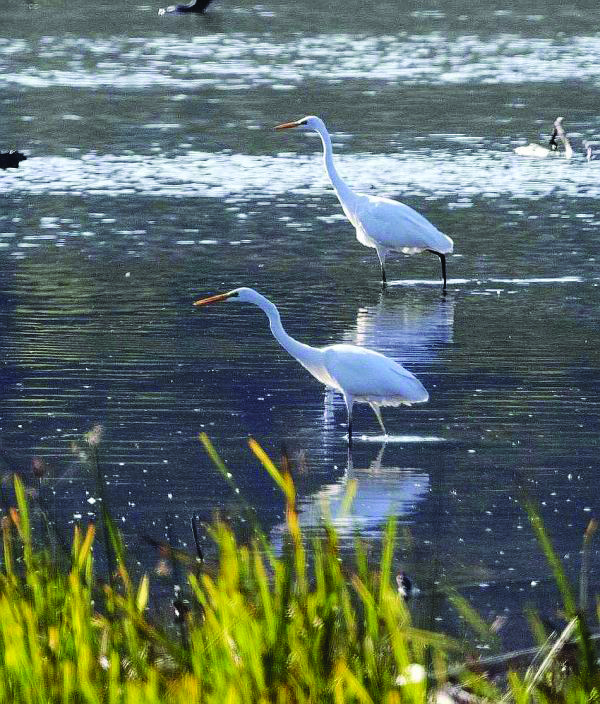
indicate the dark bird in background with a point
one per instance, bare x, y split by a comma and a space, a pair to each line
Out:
405, 587
11, 159
197, 6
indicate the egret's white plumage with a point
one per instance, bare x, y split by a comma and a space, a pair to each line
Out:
359, 374
381, 223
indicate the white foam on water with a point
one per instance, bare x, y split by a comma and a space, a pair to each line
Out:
430, 282
541, 280
406, 439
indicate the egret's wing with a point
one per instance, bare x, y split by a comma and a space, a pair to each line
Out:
369, 375
398, 226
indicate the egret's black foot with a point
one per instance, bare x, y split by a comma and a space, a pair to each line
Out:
383, 277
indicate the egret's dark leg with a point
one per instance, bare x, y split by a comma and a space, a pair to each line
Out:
382, 254
443, 260
349, 403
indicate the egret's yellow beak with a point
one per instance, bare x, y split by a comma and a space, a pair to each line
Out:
212, 299
287, 125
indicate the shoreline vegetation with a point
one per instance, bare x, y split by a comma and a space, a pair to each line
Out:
300, 625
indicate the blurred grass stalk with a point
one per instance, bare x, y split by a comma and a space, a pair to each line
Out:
301, 627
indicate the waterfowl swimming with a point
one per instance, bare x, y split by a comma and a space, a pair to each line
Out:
11, 159
406, 588
538, 151
197, 6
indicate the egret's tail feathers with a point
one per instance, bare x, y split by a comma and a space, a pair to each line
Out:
409, 397
416, 393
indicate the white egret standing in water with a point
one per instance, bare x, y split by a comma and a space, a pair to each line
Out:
381, 223
359, 374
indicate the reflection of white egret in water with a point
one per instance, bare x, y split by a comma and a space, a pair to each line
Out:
380, 492
410, 330
405, 329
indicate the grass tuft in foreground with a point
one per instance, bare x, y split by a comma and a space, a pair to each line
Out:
260, 628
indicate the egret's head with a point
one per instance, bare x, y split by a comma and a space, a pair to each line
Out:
238, 295
310, 122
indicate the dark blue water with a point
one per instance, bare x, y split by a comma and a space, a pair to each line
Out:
154, 177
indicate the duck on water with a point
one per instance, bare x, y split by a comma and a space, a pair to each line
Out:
11, 159
541, 152
196, 6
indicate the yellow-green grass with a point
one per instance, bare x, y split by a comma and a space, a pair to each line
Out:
299, 626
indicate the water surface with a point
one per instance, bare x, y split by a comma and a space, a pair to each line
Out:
154, 177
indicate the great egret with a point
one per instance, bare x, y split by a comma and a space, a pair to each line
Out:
539, 152
359, 374
381, 223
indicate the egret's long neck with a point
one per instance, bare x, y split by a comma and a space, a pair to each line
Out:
305, 354
343, 191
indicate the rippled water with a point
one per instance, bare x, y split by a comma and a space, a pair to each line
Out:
154, 176
247, 62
